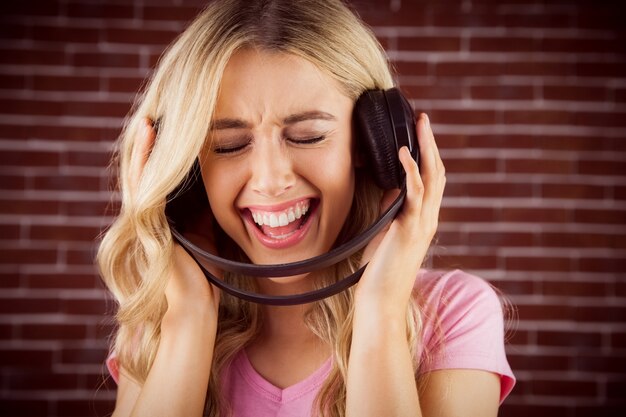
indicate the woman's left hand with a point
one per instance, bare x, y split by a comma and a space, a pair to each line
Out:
395, 255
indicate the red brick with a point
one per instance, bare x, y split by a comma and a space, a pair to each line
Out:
464, 117
466, 214
25, 408
526, 409
62, 281
576, 289
576, 240
535, 215
600, 119
534, 362
12, 82
515, 287
501, 239
425, 91
10, 279
27, 207
66, 35
63, 233
608, 264
578, 191
170, 13
124, 84
468, 69
453, 17
18, 256
65, 83
28, 158
574, 93
139, 36
502, 44
83, 355
537, 68
100, 10
537, 117
429, 43
42, 379
464, 262
600, 69
586, 340
88, 159
502, 92
34, 56
539, 166
483, 189
412, 68
527, 263
91, 208
81, 257
607, 216
9, 232
105, 60
96, 307
599, 167
80, 408
31, 8
471, 165
66, 182
607, 363
21, 305
22, 358
51, 331
66, 108
555, 387
12, 182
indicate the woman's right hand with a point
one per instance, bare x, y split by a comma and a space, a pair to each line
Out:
187, 286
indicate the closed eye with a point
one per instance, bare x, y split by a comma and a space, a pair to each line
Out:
230, 147
307, 141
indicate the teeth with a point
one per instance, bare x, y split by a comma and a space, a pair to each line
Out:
282, 218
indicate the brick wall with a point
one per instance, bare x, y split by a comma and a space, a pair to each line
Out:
528, 102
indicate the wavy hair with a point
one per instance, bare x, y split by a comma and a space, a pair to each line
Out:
135, 254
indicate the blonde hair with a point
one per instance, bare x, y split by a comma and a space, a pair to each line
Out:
136, 253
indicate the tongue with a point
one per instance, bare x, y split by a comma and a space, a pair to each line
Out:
282, 230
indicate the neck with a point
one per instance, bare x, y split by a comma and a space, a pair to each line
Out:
285, 322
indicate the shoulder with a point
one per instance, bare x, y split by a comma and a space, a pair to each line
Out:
454, 291
462, 324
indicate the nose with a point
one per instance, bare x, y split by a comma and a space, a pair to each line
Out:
272, 168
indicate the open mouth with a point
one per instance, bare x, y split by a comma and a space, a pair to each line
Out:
281, 225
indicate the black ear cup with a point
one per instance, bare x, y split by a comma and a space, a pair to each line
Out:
384, 122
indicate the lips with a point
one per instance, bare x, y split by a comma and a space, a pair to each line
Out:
281, 225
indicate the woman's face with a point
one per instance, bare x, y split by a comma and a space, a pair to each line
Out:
278, 168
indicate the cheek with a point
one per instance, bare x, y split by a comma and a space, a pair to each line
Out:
222, 191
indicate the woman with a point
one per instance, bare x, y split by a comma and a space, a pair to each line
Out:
262, 93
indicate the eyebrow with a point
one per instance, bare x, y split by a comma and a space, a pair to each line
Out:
229, 123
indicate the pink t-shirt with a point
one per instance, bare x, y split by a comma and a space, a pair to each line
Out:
467, 316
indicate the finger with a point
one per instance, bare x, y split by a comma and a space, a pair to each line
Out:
432, 168
142, 146
414, 183
433, 174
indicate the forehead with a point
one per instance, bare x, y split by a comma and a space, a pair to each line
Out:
276, 81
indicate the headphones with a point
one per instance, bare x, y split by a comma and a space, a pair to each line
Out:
384, 122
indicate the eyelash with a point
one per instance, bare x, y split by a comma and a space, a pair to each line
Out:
235, 149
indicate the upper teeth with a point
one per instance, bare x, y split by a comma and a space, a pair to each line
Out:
280, 218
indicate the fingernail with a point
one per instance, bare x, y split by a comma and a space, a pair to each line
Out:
426, 120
